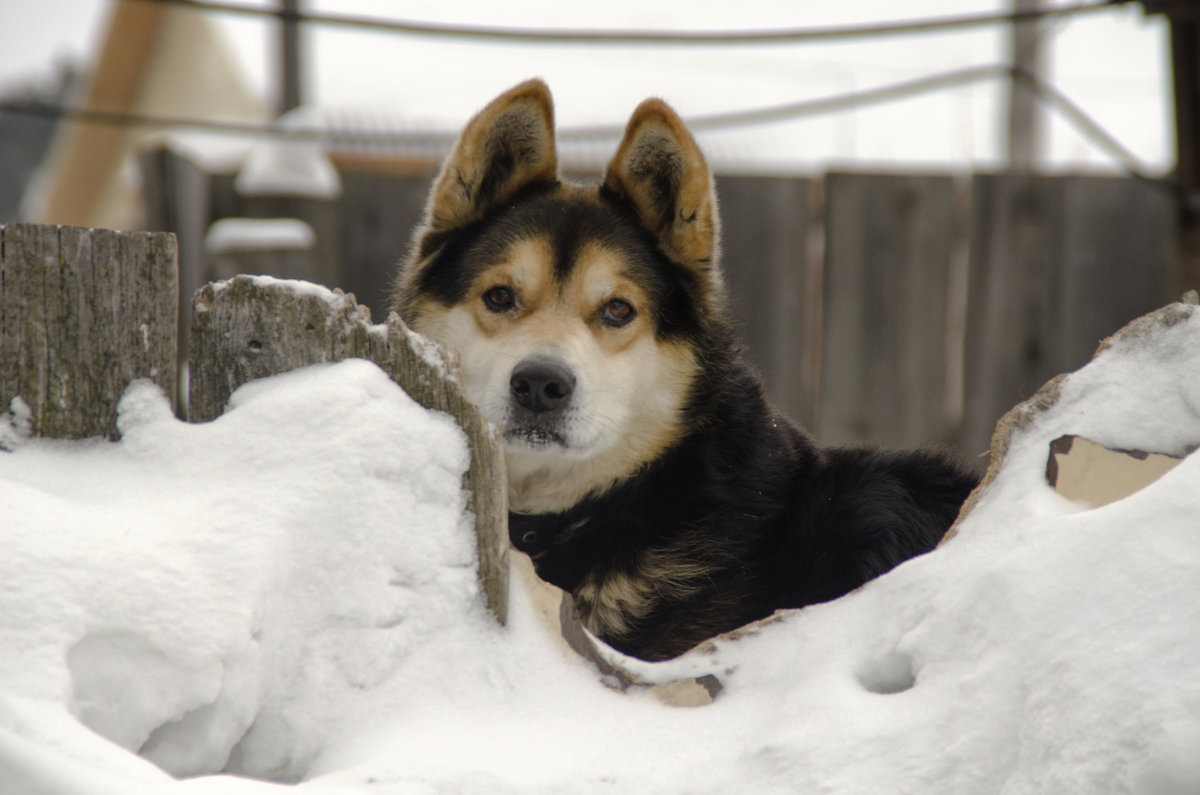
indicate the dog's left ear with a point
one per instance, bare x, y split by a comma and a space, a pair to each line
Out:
659, 169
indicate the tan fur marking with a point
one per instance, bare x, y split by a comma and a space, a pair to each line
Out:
597, 278
525, 269
611, 607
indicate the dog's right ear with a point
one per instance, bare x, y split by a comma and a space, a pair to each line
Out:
508, 145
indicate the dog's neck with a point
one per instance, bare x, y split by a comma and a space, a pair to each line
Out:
541, 483
551, 482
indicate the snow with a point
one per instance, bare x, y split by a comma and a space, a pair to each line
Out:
288, 593
250, 234
293, 165
334, 297
16, 424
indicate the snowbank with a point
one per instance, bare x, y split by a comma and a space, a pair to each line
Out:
251, 234
299, 570
219, 594
290, 166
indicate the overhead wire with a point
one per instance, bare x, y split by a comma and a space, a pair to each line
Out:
1050, 96
693, 37
715, 122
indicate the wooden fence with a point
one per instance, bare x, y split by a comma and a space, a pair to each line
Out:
84, 312
896, 309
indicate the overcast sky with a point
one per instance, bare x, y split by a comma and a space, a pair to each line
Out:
1115, 64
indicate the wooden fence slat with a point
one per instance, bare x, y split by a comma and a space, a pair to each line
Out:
1118, 258
179, 196
767, 226
1015, 280
82, 314
27, 252
378, 214
1057, 263
888, 257
250, 328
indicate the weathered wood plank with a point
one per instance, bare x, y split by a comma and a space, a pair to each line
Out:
1119, 257
250, 328
180, 197
379, 212
774, 283
1013, 296
82, 314
884, 355
26, 252
1057, 263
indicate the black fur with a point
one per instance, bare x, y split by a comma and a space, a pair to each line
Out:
750, 516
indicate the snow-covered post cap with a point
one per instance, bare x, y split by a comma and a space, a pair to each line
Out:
247, 234
254, 326
293, 164
280, 247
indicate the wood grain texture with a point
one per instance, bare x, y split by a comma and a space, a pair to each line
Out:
83, 313
888, 256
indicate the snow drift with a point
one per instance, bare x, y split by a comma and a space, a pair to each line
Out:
288, 593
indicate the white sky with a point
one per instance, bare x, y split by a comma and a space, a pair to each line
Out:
1115, 64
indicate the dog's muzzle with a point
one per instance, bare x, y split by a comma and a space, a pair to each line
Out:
540, 392
542, 385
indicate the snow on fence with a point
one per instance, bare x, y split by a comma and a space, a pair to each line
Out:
84, 312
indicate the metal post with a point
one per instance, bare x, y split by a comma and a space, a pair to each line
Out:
289, 56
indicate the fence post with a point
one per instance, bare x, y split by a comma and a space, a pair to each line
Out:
1057, 263
885, 357
83, 312
250, 328
773, 273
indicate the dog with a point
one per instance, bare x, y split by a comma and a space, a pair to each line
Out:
647, 474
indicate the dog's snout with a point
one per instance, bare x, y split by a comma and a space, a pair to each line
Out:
541, 385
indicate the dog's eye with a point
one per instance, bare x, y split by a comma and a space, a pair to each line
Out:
617, 312
500, 299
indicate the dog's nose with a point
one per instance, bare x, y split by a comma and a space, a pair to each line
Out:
542, 385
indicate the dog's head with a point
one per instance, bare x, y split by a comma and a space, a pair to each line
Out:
584, 318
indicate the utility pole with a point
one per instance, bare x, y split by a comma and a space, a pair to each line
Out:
1025, 126
289, 56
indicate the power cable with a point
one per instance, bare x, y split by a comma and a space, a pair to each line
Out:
1055, 99
607, 36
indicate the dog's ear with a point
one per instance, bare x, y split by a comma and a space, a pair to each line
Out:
659, 169
508, 145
